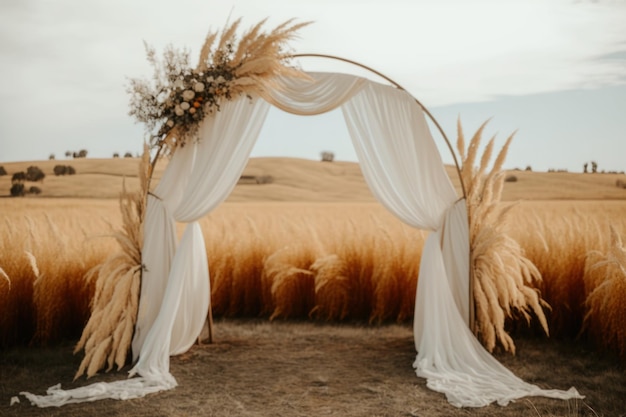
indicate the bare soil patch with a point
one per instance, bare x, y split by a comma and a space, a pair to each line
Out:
291, 368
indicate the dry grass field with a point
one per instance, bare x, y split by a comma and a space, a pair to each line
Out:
301, 180
312, 245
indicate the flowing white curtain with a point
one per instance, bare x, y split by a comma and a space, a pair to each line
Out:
403, 168
322, 93
449, 357
175, 291
404, 171
215, 164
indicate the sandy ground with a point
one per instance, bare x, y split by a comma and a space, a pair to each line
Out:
258, 368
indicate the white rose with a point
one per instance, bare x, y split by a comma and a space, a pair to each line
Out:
184, 105
170, 123
192, 110
178, 111
210, 79
199, 87
178, 83
188, 95
220, 80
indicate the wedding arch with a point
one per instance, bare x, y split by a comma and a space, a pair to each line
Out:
208, 119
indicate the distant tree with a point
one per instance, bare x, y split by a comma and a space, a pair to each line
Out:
34, 173
18, 177
59, 170
594, 167
51, 157
17, 189
63, 170
510, 178
529, 168
68, 154
82, 153
34, 190
585, 165
2, 171
327, 156
116, 155
128, 155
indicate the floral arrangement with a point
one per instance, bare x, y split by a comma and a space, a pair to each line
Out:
179, 96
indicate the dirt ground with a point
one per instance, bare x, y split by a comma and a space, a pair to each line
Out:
261, 368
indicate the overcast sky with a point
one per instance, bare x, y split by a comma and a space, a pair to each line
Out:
553, 69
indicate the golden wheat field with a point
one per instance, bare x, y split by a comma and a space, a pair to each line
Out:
326, 252
312, 245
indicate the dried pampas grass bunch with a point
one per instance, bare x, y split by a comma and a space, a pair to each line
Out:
179, 97
108, 334
605, 277
332, 288
504, 279
289, 278
256, 59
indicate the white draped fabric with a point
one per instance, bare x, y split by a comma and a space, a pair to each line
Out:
213, 165
403, 168
449, 356
175, 291
323, 93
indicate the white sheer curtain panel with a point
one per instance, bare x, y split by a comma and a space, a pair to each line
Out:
403, 168
221, 152
398, 156
175, 289
455, 248
320, 93
160, 238
449, 357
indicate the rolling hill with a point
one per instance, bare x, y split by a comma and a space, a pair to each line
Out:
291, 179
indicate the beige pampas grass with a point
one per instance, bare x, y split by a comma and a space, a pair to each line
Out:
107, 336
504, 279
605, 277
291, 283
33, 264
6, 277
256, 59
332, 288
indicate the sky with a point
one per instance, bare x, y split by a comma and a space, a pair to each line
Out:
552, 71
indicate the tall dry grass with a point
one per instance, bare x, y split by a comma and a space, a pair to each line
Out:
107, 336
329, 262
557, 237
504, 279
355, 261
44, 254
605, 283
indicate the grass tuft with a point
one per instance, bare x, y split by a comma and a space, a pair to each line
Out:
505, 281
605, 281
